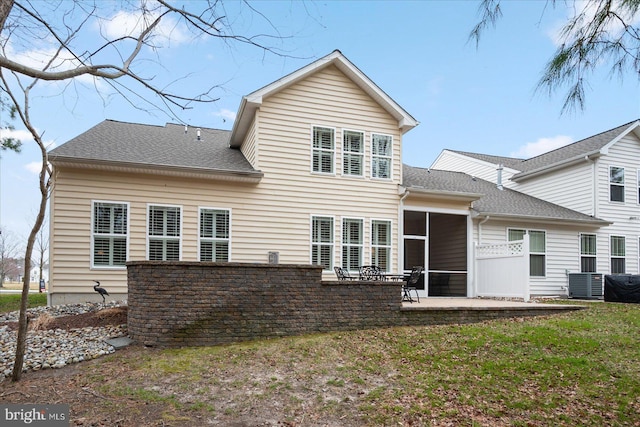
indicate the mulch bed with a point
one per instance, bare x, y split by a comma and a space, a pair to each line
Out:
109, 316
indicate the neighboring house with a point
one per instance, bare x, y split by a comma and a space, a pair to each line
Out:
597, 176
310, 173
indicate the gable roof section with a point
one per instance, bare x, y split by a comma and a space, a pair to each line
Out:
250, 103
167, 150
492, 201
593, 146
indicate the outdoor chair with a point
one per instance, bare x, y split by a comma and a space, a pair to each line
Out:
343, 274
410, 284
371, 272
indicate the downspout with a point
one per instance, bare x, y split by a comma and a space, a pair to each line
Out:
486, 218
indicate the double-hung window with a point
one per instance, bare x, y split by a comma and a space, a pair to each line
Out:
618, 253
537, 249
352, 243
324, 148
588, 253
353, 153
164, 233
214, 235
381, 146
381, 244
109, 234
322, 241
616, 184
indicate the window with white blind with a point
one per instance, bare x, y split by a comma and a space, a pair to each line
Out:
381, 146
214, 235
381, 244
164, 233
616, 184
324, 148
537, 249
109, 232
353, 153
618, 253
588, 253
352, 243
322, 241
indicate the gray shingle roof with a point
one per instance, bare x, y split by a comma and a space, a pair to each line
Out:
154, 146
580, 148
494, 201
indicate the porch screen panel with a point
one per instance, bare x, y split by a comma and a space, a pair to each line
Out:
109, 232
322, 242
214, 235
352, 240
381, 244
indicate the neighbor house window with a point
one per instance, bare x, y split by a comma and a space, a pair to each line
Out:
381, 146
109, 234
381, 244
353, 153
537, 249
616, 184
588, 253
164, 233
214, 235
352, 243
618, 253
323, 149
322, 241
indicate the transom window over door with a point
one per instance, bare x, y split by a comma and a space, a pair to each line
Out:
588, 253
616, 184
109, 234
537, 249
164, 233
381, 146
381, 244
323, 149
322, 241
618, 253
353, 153
214, 235
352, 243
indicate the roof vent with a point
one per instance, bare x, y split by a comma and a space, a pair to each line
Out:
185, 129
499, 179
198, 135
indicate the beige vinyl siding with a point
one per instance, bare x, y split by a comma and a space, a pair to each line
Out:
249, 147
571, 187
625, 153
450, 161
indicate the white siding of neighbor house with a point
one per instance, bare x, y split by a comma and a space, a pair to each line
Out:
274, 215
456, 162
624, 153
562, 251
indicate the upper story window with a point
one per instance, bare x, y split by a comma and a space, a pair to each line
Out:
214, 235
353, 153
381, 244
588, 253
164, 233
616, 184
109, 234
322, 241
324, 148
537, 249
381, 146
352, 243
618, 253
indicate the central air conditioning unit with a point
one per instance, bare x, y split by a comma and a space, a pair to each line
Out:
585, 285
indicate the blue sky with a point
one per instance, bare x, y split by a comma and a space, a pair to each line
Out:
480, 100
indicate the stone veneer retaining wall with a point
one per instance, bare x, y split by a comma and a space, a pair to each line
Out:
174, 304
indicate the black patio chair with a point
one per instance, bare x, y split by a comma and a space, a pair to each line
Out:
410, 284
343, 274
371, 272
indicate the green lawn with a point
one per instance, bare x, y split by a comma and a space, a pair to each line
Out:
11, 302
578, 368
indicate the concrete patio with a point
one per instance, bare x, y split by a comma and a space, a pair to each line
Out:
487, 304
